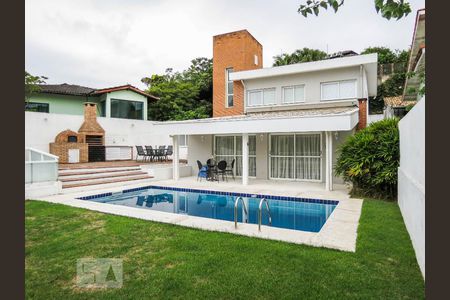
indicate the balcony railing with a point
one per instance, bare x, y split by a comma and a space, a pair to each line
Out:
40, 166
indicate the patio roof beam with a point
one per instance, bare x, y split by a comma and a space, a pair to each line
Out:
338, 122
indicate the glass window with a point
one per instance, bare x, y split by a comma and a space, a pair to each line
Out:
230, 147
338, 90
347, 89
37, 107
330, 91
299, 93
127, 109
261, 97
295, 160
255, 98
229, 88
269, 96
293, 94
103, 109
182, 140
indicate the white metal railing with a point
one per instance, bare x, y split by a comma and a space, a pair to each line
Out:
40, 166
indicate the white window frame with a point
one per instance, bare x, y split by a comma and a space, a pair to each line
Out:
339, 89
283, 89
262, 96
235, 156
295, 157
226, 86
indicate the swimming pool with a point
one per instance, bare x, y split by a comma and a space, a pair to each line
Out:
286, 212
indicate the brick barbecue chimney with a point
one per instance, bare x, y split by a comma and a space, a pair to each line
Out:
91, 128
362, 104
90, 124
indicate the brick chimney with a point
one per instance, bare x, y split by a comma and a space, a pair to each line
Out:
90, 125
240, 51
362, 104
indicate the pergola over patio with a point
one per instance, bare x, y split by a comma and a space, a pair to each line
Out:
319, 120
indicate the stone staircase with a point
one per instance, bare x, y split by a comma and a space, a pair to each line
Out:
101, 176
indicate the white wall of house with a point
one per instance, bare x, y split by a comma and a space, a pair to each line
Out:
42, 128
201, 148
411, 178
312, 85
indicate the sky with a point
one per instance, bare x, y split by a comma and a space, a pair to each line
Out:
104, 43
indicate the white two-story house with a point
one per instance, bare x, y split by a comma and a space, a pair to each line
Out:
277, 123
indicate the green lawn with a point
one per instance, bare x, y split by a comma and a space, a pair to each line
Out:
167, 261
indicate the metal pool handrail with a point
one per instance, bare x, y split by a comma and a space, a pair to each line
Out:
236, 202
260, 213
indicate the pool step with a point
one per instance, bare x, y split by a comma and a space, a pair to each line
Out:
96, 170
92, 175
81, 183
103, 186
72, 179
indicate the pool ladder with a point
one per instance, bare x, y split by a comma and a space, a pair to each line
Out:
263, 200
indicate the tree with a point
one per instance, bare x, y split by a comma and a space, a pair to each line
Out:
370, 159
32, 84
299, 56
388, 8
185, 95
394, 85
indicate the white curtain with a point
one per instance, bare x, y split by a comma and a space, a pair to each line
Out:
299, 161
307, 148
230, 147
282, 156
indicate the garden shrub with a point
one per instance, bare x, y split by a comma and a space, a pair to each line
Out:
370, 158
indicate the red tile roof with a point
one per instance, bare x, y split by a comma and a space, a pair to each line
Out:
124, 87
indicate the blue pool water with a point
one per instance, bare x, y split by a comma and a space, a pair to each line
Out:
287, 212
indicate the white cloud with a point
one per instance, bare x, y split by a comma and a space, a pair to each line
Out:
105, 43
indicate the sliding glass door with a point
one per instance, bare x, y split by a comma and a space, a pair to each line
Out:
295, 156
229, 147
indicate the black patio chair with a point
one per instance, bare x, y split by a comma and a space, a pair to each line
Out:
150, 152
169, 152
231, 169
161, 152
141, 152
221, 170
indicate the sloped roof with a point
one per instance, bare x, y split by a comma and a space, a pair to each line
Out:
124, 87
397, 101
78, 90
66, 89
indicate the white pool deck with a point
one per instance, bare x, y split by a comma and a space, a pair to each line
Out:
339, 231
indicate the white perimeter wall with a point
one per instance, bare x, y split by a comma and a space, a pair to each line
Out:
375, 118
411, 178
42, 128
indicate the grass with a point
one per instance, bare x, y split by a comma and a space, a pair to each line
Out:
168, 261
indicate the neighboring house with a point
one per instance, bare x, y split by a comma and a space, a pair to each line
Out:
397, 106
127, 101
281, 122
